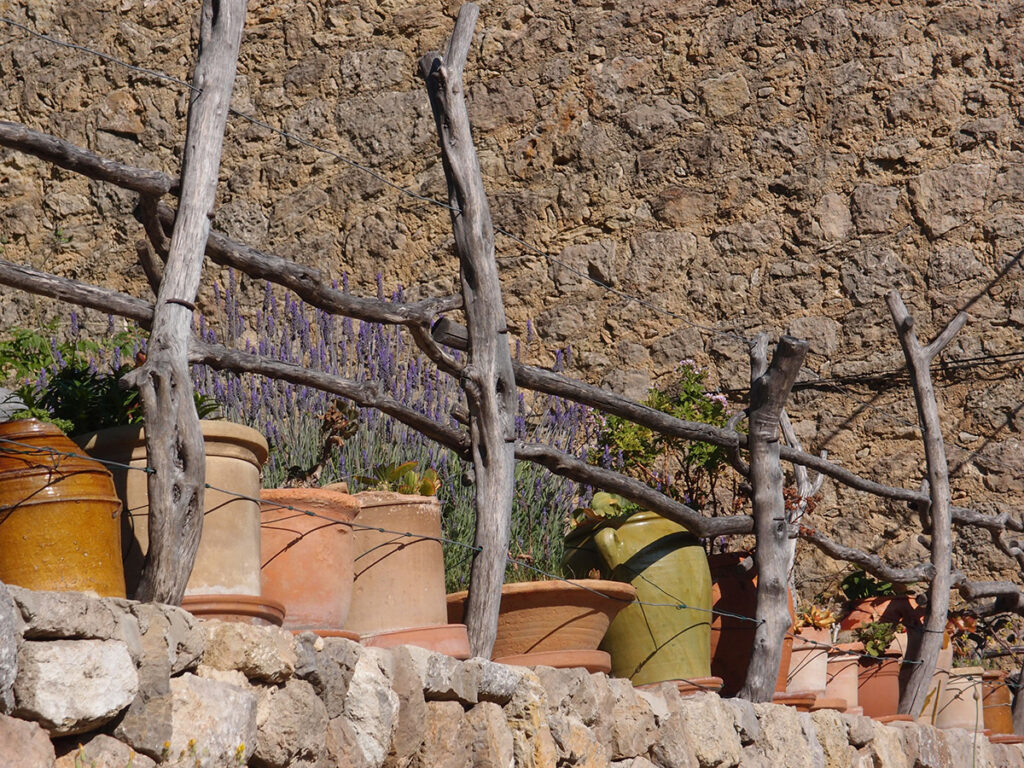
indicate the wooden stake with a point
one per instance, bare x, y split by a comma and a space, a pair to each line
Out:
769, 389
487, 377
174, 442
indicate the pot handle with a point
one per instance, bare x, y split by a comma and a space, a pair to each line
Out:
611, 547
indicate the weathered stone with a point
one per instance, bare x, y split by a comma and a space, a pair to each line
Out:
811, 738
782, 737
266, 654
409, 731
924, 747
67, 615
328, 664
725, 95
72, 686
496, 682
291, 727
704, 725
102, 751
447, 743
526, 713
633, 762
179, 629
578, 262
831, 732
874, 208
370, 708
577, 744
490, 737
24, 745
11, 627
887, 749
832, 214
744, 719
860, 729
752, 757
679, 207
213, 724
945, 199
633, 723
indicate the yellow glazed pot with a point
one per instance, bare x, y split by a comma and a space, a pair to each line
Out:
668, 567
60, 526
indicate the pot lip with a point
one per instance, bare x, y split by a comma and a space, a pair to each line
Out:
213, 429
590, 527
613, 590
374, 499
321, 501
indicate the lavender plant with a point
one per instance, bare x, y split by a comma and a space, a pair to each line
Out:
297, 421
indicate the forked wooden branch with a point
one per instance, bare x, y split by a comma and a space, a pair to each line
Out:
487, 377
174, 441
919, 358
770, 386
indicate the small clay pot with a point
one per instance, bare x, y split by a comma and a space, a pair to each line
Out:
878, 685
997, 702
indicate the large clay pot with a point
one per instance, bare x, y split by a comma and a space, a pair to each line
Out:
734, 594
841, 677
553, 623
60, 526
399, 571
307, 555
997, 702
878, 685
808, 664
228, 558
652, 640
960, 700
894, 609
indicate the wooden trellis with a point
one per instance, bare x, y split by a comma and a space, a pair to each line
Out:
177, 240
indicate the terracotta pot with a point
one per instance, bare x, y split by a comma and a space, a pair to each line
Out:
997, 701
399, 579
894, 609
943, 665
808, 665
878, 685
734, 592
307, 555
842, 670
60, 526
228, 559
449, 639
960, 700
652, 640
552, 617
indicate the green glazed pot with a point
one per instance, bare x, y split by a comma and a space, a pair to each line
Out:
667, 566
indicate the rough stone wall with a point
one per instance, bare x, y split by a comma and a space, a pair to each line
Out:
113, 683
771, 165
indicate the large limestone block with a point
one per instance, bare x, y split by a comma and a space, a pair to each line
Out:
11, 626
291, 727
447, 742
69, 615
73, 686
834, 739
490, 736
266, 654
527, 716
365, 728
213, 724
705, 726
782, 737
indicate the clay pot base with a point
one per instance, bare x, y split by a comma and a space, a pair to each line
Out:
592, 661
829, 702
688, 687
801, 700
246, 609
449, 639
330, 633
1006, 738
895, 719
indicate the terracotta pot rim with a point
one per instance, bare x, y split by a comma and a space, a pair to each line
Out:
613, 590
214, 430
343, 507
374, 499
242, 605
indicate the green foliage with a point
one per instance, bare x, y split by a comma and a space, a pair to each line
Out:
26, 352
402, 478
687, 471
877, 636
84, 399
859, 586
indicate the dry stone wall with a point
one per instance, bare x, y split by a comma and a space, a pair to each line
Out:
113, 683
773, 165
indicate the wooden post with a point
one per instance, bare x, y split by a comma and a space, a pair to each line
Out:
487, 377
769, 388
919, 359
174, 443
